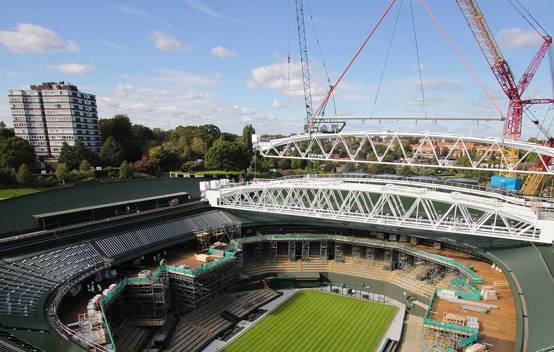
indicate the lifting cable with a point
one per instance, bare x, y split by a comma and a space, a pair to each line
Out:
522, 9
358, 52
316, 35
461, 56
288, 46
388, 54
419, 68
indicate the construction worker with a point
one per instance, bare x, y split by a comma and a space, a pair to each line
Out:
99, 288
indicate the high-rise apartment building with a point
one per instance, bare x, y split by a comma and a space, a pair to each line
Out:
49, 114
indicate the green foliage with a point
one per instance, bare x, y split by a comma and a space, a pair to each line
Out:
247, 133
166, 157
120, 129
85, 166
125, 170
405, 171
6, 176
6, 132
85, 170
72, 156
112, 152
15, 151
23, 175
62, 173
225, 155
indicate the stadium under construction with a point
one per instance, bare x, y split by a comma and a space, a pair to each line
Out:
186, 265
190, 276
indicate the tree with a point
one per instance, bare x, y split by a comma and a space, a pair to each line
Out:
73, 155
6, 132
198, 148
23, 175
166, 157
125, 170
120, 128
85, 169
247, 133
111, 152
405, 171
61, 172
225, 155
85, 166
15, 151
209, 134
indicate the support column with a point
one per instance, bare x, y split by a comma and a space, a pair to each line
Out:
273, 250
305, 251
292, 251
356, 255
339, 256
323, 250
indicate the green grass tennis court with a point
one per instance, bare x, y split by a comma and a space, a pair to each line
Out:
318, 321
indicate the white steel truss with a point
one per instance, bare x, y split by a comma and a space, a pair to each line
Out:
411, 149
391, 205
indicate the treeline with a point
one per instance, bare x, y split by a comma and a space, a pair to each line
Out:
129, 150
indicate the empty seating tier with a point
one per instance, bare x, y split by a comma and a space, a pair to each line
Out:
120, 244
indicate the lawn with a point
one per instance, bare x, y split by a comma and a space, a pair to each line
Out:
319, 321
16, 192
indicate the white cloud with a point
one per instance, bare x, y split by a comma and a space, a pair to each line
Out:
517, 38
114, 45
28, 38
285, 78
166, 42
222, 52
205, 9
167, 104
277, 104
185, 79
72, 68
438, 83
130, 10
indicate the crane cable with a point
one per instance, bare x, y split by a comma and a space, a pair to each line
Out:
288, 46
388, 54
542, 31
461, 56
419, 68
358, 52
316, 35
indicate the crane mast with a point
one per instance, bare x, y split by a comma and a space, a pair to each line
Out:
305, 64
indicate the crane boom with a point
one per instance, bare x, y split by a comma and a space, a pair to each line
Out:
482, 33
514, 91
304, 62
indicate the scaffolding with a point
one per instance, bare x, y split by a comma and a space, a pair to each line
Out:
259, 249
273, 249
323, 250
404, 261
191, 292
305, 251
149, 302
292, 251
390, 260
356, 254
370, 255
339, 253
225, 233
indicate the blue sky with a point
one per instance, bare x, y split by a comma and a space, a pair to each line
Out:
179, 62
